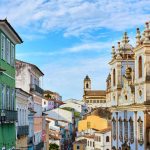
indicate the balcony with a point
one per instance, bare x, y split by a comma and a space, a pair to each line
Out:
36, 88
39, 146
8, 115
22, 130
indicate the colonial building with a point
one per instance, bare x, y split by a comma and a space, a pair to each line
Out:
28, 78
103, 139
94, 98
22, 126
129, 89
8, 114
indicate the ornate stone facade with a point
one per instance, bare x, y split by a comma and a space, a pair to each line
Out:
128, 87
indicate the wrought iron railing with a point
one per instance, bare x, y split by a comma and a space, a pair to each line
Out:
36, 88
8, 115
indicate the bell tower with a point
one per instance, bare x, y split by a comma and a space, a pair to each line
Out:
142, 65
87, 83
121, 57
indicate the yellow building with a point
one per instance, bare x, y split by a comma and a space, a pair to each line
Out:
92, 122
80, 145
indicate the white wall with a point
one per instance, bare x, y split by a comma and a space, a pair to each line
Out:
102, 144
60, 114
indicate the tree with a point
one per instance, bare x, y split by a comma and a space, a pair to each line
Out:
53, 146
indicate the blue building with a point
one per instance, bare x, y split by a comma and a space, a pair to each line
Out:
128, 87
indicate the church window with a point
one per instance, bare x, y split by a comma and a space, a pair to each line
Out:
114, 128
120, 130
126, 97
140, 131
140, 66
140, 93
126, 130
87, 101
87, 85
131, 130
114, 77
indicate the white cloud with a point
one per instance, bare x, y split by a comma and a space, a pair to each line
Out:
75, 17
68, 79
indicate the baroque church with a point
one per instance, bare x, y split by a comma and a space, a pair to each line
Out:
128, 88
93, 98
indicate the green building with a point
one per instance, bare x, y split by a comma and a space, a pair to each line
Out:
8, 114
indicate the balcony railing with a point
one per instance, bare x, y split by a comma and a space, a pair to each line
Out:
36, 88
8, 115
39, 146
22, 130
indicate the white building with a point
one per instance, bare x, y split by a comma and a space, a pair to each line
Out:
103, 139
77, 105
60, 114
28, 77
22, 126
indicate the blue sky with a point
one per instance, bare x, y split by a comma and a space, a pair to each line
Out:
68, 39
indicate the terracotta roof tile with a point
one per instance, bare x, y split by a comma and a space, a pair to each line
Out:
95, 93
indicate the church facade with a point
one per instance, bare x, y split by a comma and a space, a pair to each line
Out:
93, 98
128, 87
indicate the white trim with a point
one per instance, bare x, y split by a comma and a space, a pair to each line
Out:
8, 76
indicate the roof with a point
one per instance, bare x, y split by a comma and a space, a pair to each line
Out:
89, 136
95, 93
104, 130
31, 65
57, 119
12, 29
83, 141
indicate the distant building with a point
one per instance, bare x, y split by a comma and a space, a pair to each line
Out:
52, 95
80, 145
77, 105
92, 122
94, 98
8, 114
52, 100
60, 133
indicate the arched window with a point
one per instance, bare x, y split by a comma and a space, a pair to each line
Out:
140, 131
131, 130
126, 130
87, 85
107, 138
140, 66
114, 128
114, 77
120, 130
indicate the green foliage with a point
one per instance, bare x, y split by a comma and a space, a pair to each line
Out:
76, 114
48, 96
53, 146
